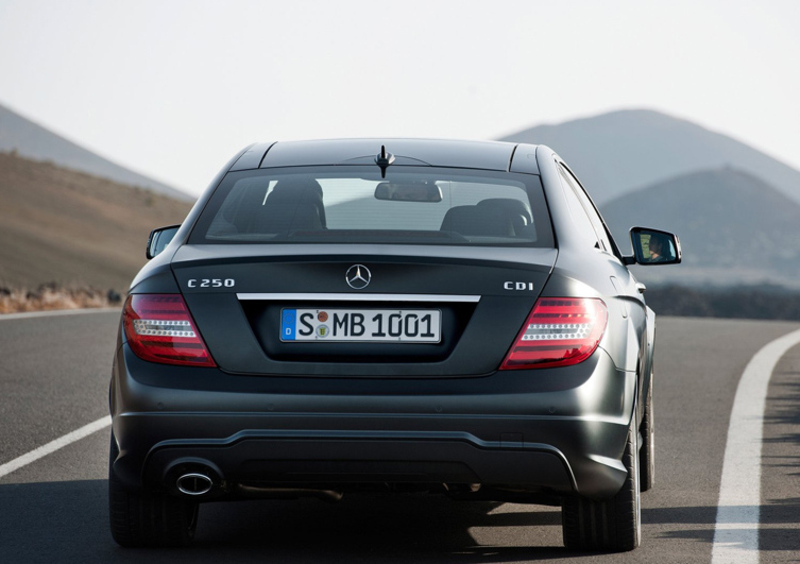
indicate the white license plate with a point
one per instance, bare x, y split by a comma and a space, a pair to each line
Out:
375, 325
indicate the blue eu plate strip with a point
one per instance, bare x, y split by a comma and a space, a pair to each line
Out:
288, 324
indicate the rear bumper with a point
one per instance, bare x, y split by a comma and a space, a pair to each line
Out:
489, 431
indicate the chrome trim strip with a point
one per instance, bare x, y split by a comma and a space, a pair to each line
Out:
449, 298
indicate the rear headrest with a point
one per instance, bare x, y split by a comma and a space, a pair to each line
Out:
303, 188
477, 220
294, 204
516, 210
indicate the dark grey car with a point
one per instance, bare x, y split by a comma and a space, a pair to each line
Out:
359, 316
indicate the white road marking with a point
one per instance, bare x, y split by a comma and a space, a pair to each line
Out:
57, 312
55, 445
739, 507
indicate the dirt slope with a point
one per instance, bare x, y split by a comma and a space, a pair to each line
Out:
74, 229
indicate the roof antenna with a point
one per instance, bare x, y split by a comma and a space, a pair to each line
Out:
383, 160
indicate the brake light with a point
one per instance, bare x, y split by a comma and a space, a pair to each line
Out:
160, 329
558, 332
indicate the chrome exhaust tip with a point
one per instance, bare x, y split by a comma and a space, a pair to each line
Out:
194, 484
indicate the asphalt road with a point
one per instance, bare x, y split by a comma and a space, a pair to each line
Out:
53, 379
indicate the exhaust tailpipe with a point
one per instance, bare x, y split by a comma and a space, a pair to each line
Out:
194, 484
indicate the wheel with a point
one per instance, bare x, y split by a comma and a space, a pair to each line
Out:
647, 451
146, 519
612, 525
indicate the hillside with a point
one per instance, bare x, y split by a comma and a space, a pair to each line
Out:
621, 151
30, 140
58, 225
734, 228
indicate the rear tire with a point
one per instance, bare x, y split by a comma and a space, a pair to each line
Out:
146, 519
647, 451
612, 525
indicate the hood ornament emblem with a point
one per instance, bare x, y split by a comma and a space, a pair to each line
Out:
358, 277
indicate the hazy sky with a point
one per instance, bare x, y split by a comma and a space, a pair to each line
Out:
173, 89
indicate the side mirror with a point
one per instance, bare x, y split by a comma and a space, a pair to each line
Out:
159, 239
652, 246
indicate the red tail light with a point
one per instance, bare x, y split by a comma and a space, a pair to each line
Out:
160, 329
558, 332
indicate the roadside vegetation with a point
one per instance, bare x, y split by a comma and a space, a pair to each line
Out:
741, 302
52, 297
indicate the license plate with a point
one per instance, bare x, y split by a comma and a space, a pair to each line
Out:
367, 325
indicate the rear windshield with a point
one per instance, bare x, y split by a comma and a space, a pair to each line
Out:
353, 204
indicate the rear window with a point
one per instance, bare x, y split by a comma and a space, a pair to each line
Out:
420, 205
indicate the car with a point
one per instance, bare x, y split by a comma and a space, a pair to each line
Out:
364, 316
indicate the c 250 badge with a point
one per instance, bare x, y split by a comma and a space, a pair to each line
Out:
211, 283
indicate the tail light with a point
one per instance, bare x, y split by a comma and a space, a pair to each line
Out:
558, 332
160, 329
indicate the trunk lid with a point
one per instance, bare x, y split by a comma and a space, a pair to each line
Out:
288, 310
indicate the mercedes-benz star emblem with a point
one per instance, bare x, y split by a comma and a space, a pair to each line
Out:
358, 276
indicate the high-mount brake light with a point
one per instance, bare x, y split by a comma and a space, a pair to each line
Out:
160, 329
558, 332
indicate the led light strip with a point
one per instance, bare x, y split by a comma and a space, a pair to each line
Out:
163, 328
545, 332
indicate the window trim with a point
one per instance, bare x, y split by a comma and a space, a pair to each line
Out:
586, 200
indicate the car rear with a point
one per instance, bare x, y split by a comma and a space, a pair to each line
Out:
319, 330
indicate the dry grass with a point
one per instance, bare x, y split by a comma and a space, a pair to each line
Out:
53, 297
74, 229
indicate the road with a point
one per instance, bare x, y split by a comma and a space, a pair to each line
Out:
53, 379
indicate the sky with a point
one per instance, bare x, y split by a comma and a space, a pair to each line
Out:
173, 89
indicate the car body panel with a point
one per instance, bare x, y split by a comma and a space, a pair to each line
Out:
580, 419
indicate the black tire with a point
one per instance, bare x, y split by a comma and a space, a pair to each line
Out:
145, 519
612, 525
647, 450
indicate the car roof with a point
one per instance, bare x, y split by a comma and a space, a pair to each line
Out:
486, 155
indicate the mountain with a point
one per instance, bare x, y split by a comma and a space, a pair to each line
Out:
734, 228
25, 138
59, 225
621, 151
